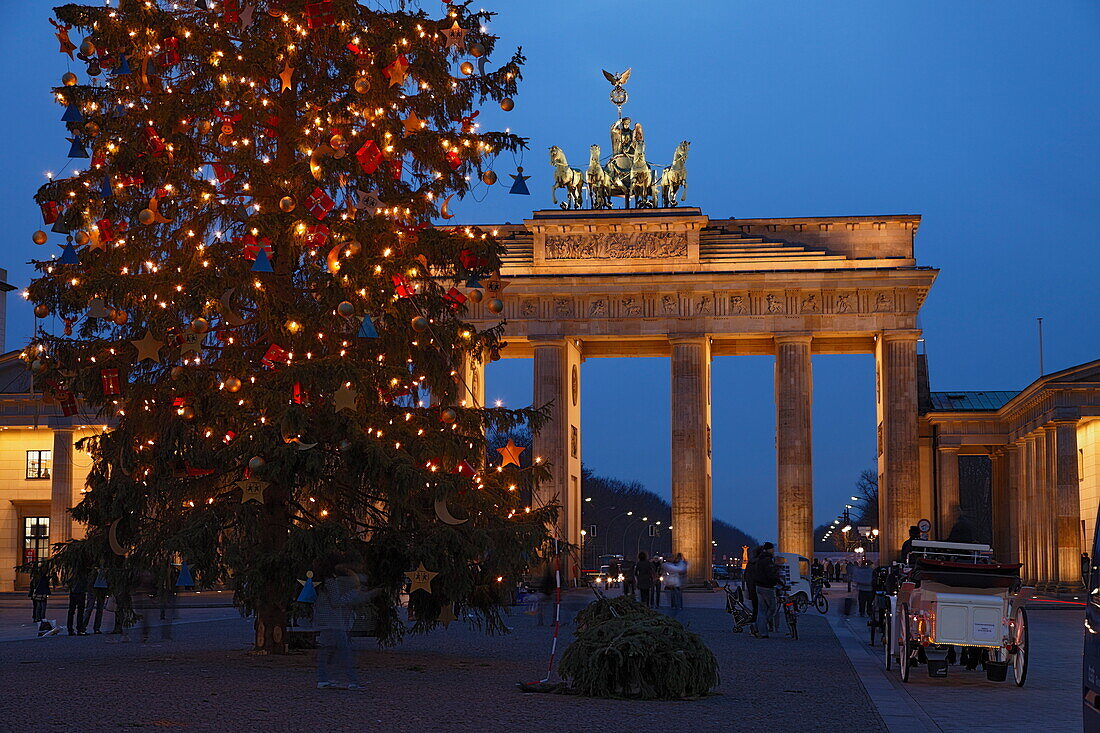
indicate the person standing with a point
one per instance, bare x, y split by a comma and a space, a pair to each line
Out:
827, 570
78, 594
863, 576
749, 577
643, 576
675, 574
767, 579
333, 616
658, 580
97, 597
613, 572
40, 595
628, 578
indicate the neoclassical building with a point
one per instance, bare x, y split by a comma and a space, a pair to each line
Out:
1024, 466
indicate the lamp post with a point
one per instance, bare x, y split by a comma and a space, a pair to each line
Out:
644, 519
607, 533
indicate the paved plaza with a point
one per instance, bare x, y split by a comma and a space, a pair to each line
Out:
459, 679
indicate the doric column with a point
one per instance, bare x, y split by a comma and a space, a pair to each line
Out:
691, 449
61, 486
1028, 520
471, 377
793, 442
1067, 505
899, 480
947, 488
1014, 501
557, 384
1043, 516
999, 503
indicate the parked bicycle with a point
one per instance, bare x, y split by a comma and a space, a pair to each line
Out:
817, 589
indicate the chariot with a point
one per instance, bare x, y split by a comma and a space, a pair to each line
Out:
952, 604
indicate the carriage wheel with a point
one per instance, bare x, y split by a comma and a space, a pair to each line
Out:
821, 603
1019, 657
904, 661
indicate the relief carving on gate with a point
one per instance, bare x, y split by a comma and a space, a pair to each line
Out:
615, 246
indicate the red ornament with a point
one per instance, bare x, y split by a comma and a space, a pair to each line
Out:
402, 286
320, 204
252, 245
106, 230
67, 400
317, 235
228, 119
109, 379
470, 260
231, 11
275, 354
467, 122
454, 159
271, 126
99, 160
320, 14
369, 156
155, 142
396, 166
169, 55
223, 174
50, 211
455, 297
465, 469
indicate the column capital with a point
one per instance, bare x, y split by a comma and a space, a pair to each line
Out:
948, 448
547, 339
1049, 427
793, 337
687, 338
907, 334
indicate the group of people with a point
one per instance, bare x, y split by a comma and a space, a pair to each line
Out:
649, 575
762, 581
87, 596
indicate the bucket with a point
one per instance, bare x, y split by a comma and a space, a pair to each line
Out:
996, 671
937, 667
847, 607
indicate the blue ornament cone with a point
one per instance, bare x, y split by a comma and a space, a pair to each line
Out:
519, 184
309, 592
68, 257
367, 329
262, 263
105, 189
123, 66
185, 580
77, 150
72, 114
100, 579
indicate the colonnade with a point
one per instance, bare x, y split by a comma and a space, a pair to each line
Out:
557, 383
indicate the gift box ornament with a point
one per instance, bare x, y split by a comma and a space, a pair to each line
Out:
320, 204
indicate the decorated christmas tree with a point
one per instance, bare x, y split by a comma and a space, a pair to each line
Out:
252, 299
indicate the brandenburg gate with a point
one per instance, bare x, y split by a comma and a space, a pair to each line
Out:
671, 282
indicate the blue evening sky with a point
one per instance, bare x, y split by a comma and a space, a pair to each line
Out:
980, 116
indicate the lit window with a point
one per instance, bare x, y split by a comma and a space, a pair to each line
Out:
38, 464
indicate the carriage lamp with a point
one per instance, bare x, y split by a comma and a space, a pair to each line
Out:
847, 528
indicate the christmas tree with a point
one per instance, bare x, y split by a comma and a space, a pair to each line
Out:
256, 305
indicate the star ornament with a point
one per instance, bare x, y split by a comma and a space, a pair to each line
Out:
345, 397
369, 201
285, 76
510, 453
148, 347
456, 37
397, 71
447, 615
494, 285
252, 490
421, 579
413, 123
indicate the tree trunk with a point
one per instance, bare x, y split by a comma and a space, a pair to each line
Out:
271, 603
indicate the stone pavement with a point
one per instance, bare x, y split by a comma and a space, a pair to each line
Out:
1049, 701
456, 679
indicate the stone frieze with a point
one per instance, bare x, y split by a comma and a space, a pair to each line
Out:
615, 245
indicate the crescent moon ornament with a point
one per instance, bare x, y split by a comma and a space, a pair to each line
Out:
315, 159
158, 218
231, 316
332, 259
445, 212
112, 538
304, 446
481, 65
444, 513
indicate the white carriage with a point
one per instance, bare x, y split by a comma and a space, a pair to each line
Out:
954, 605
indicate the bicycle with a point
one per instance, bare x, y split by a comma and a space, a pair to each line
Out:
790, 610
821, 603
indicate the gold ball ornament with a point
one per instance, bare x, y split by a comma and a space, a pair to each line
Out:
205, 126
81, 237
40, 237
146, 216
287, 204
507, 104
232, 384
466, 68
87, 48
200, 325
187, 412
225, 139
477, 50
255, 463
361, 85
489, 177
420, 323
69, 79
338, 142
92, 129
177, 372
476, 295
41, 310
448, 415
346, 309
495, 305
120, 317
